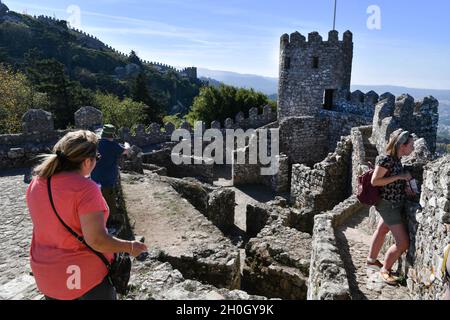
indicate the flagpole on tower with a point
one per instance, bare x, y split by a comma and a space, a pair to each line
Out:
334, 20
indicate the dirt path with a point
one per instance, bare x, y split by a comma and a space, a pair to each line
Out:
365, 283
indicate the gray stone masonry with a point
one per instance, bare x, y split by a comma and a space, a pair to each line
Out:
277, 257
277, 262
327, 275
217, 204
37, 121
419, 117
155, 280
308, 140
308, 68
430, 232
327, 183
88, 118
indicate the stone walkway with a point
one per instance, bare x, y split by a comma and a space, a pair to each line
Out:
365, 283
15, 237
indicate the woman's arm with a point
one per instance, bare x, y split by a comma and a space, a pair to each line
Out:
378, 179
94, 233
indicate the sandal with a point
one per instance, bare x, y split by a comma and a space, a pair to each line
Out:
374, 265
388, 278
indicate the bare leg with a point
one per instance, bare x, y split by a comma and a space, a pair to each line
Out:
400, 246
378, 239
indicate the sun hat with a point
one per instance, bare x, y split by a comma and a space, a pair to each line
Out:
108, 131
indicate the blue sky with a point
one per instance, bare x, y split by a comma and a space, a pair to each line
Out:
412, 48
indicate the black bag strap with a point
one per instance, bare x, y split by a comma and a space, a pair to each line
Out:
79, 238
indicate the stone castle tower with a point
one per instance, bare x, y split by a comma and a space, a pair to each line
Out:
314, 74
191, 72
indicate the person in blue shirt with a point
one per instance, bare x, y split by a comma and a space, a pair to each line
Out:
106, 171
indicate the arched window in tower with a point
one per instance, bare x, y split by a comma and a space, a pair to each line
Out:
315, 63
328, 97
287, 63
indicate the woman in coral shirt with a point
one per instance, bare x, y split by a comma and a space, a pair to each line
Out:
63, 267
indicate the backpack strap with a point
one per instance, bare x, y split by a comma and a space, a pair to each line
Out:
78, 237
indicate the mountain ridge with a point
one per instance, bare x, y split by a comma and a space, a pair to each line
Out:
269, 85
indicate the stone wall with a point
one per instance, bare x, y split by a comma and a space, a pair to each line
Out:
327, 183
304, 139
340, 124
38, 137
203, 170
247, 173
277, 258
254, 120
358, 103
308, 140
419, 117
327, 275
431, 233
361, 153
21, 150
215, 203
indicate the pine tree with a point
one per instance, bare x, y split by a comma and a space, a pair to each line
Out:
140, 93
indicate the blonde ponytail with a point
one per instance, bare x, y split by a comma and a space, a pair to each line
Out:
68, 153
48, 166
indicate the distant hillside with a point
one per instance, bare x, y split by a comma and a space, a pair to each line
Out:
266, 85
87, 60
269, 85
211, 82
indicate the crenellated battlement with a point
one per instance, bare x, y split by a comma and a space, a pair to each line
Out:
254, 120
39, 136
419, 117
357, 102
296, 39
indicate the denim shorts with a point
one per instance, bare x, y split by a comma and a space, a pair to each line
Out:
390, 212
